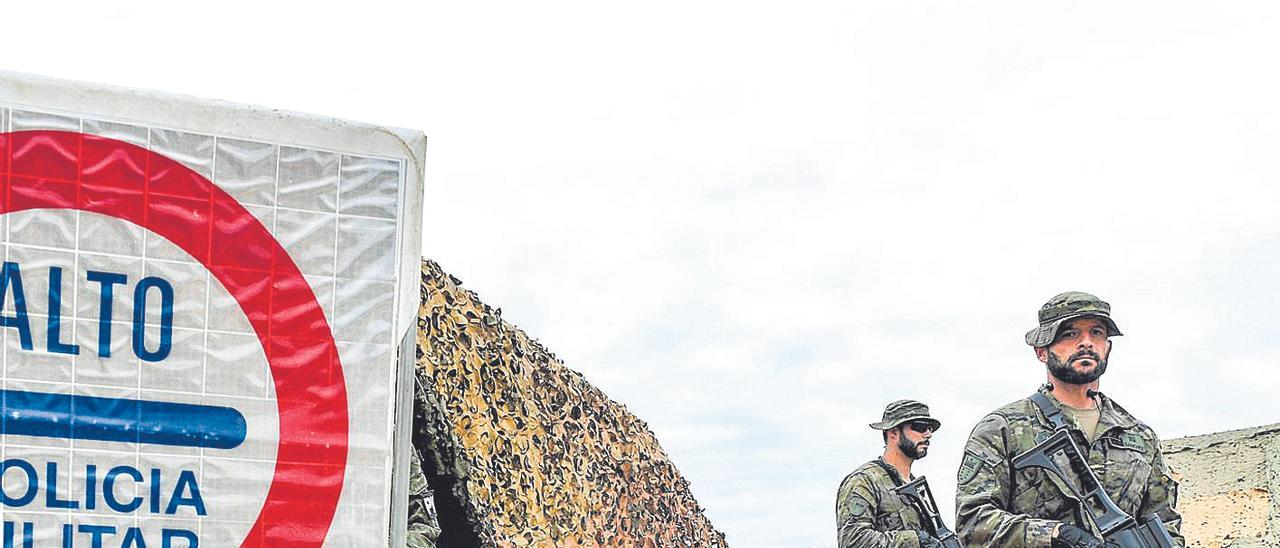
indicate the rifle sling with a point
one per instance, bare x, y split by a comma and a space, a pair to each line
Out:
1054, 415
893, 474
897, 481
1050, 411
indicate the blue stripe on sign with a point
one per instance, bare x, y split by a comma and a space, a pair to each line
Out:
115, 419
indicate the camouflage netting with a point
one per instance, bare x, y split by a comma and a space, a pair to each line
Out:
520, 450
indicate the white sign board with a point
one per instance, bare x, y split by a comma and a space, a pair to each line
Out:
201, 309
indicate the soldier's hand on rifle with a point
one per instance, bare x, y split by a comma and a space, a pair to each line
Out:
1070, 536
927, 540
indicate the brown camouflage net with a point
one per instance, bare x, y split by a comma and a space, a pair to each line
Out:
527, 451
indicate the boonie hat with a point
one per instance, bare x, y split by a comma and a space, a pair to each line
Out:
1065, 307
903, 411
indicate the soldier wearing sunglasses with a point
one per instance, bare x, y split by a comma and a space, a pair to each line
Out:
869, 514
997, 506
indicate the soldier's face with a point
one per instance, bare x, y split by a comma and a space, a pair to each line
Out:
914, 445
1079, 354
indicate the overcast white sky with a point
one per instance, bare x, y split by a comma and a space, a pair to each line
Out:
756, 223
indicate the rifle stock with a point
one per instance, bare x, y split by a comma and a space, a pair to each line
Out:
919, 496
1119, 530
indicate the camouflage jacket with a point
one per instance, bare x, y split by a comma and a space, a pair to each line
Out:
996, 507
870, 515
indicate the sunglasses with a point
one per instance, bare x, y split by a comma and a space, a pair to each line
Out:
922, 426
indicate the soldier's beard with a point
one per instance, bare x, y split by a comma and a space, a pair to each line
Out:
911, 450
1064, 372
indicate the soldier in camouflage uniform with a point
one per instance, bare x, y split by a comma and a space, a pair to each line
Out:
868, 512
424, 528
998, 507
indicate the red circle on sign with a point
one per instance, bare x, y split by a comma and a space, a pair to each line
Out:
68, 170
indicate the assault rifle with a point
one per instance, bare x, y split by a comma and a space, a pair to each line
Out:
920, 497
1119, 530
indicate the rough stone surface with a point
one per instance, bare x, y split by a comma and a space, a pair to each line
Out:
521, 450
1229, 487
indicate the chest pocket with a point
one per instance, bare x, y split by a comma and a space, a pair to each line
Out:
900, 516
1037, 494
1127, 470
890, 517
1041, 494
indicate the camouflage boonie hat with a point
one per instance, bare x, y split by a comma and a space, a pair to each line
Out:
1065, 307
903, 411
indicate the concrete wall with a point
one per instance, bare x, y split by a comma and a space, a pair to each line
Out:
1229, 487
521, 450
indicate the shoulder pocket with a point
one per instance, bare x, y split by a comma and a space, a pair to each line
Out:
971, 464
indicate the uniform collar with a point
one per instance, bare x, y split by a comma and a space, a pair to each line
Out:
893, 472
1110, 415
